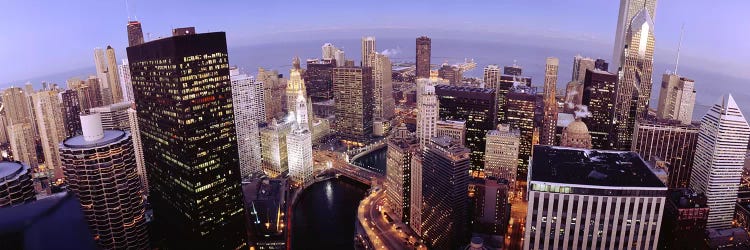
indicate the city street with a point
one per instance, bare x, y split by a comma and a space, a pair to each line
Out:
383, 234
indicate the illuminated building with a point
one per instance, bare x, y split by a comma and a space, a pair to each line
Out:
669, 142
504, 86
16, 185
266, 206
51, 128
445, 181
476, 106
453, 129
591, 199
628, 10
274, 86
491, 76
299, 145
452, 73
183, 96
576, 135
385, 106
100, 170
676, 99
424, 51
247, 101
490, 209
501, 156
127, 85
520, 116
71, 110
549, 115
402, 147
684, 224
368, 49
114, 116
294, 86
599, 96
719, 160
352, 93
428, 114
135, 133
319, 79
115, 86
415, 206
19, 126
135, 33
273, 147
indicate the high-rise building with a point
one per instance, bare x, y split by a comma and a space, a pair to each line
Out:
428, 115
490, 209
274, 154
247, 101
115, 85
491, 76
415, 206
580, 65
135, 133
452, 73
513, 70
676, 99
330, 52
299, 145
51, 128
114, 116
352, 92
135, 33
102, 73
634, 85
274, 86
573, 95
599, 98
601, 64
549, 114
99, 167
16, 184
19, 126
385, 106
187, 124
504, 86
445, 182
684, 224
368, 48
453, 129
127, 85
476, 106
294, 86
501, 155
520, 116
591, 199
402, 147
89, 94
424, 51
628, 10
319, 79
71, 110
669, 142
576, 135
719, 159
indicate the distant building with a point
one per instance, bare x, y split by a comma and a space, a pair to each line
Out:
569, 190
319, 79
501, 155
18, 113
684, 224
274, 153
670, 142
416, 199
135, 33
295, 86
573, 95
451, 73
16, 184
549, 113
384, 105
71, 111
402, 147
428, 111
352, 88
424, 45
601, 64
274, 87
580, 65
453, 129
628, 10
491, 76
51, 128
676, 99
513, 70
368, 49
521, 102
729, 238
330, 52
135, 133
504, 86
265, 205
599, 97
127, 84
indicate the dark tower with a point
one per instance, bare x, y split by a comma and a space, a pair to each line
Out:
424, 48
135, 33
599, 96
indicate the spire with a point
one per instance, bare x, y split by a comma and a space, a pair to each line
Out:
679, 45
295, 62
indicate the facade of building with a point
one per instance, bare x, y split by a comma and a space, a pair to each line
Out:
415, 207
127, 85
274, 86
521, 102
491, 76
19, 126
676, 99
402, 147
135, 33
135, 133
549, 113
16, 185
576, 135
669, 142
352, 92
580, 65
513, 70
51, 128
590, 199
452, 129
490, 209
501, 156
319, 79
719, 159
247, 101
299, 145
368, 49
273, 147
385, 106
573, 95
452, 73
684, 224
599, 96
445, 182
192, 128
295, 86
71, 110
102, 74
99, 167
115, 86
428, 114
424, 51
628, 10
114, 116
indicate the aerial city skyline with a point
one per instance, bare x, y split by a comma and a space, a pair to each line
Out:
168, 143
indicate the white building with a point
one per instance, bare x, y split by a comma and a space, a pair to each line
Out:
114, 116
135, 132
127, 84
331, 52
273, 146
501, 153
428, 114
299, 145
491, 76
47, 109
719, 158
385, 105
591, 199
247, 100
676, 99
368, 49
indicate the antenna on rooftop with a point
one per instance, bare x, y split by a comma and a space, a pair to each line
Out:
127, 9
679, 45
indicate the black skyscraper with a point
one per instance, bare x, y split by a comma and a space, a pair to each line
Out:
424, 45
319, 79
182, 90
71, 110
599, 97
135, 33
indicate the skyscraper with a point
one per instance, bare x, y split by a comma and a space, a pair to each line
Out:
274, 86
599, 98
295, 86
352, 92
491, 76
135, 33
476, 106
368, 48
452, 73
628, 10
99, 167
580, 65
16, 185
416, 200
319, 79
521, 105
330, 52
676, 99
114, 77
445, 182
590, 199
501, 155
102, 73
719, 159
402, 147
299, 145
428, 115
549, 115
424, 47
273, 150
135, 133
188, 134
126, 84
51, 128
247, 101
513, 70
668, 142
573, 95
71, 111
385, 106
20, 130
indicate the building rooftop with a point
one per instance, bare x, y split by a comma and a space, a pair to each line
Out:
686, 198
11, 170
592, 167
464, 89
265, 201
110, 136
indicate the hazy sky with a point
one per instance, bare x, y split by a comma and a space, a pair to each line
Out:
39, 38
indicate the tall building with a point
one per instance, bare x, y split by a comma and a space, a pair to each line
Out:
247, 101
135, 33
476, 106
453, 129
114, 116
668, 142
402, 147
601, 64
186, 123
274, 154
126, 84
102, 73
573, 96
19, 126
504, 86
599, 98
428, 114
385, 106
89, 94
368, 48
628, 10
513, 70
16, 184
452, 73
295, 86
424, 51
501, 155
634, 85
71, 110
520, 116
352, 92
549, 114
330, 52
416, 201
299, 145
490, 210
676, 99
115, 85
319, 79
491, 76
135, 133
99, 167
590, 199
684, 224
274, 86
719, 159
580, 65
51, 128
445, 182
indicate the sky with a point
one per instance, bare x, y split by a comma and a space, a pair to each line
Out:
43, 37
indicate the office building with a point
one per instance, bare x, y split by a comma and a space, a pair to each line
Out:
319, 79
520, 116
415, 206
368, 49
428, 114
573, 96
402, 147
491, 76
102, 74
513, 70
19, 126
16, 185
352, 93
580, 65
385, 106
668, 142
265, 203
51, 128
504, 86
576, 135
71, 110
114, 116
135, 133
115, 86
127, 85
475, 106
247, 103
445, 181
628, 10
135, 33
299, 145
719, 159
273, 146
89, 94
676, 99
599, 98
99, 167
591, 199
490, 209
189, 128
684, 224
452, 73
549, 113
274, 87
424, 52
453, 129
501, 155
330, 52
